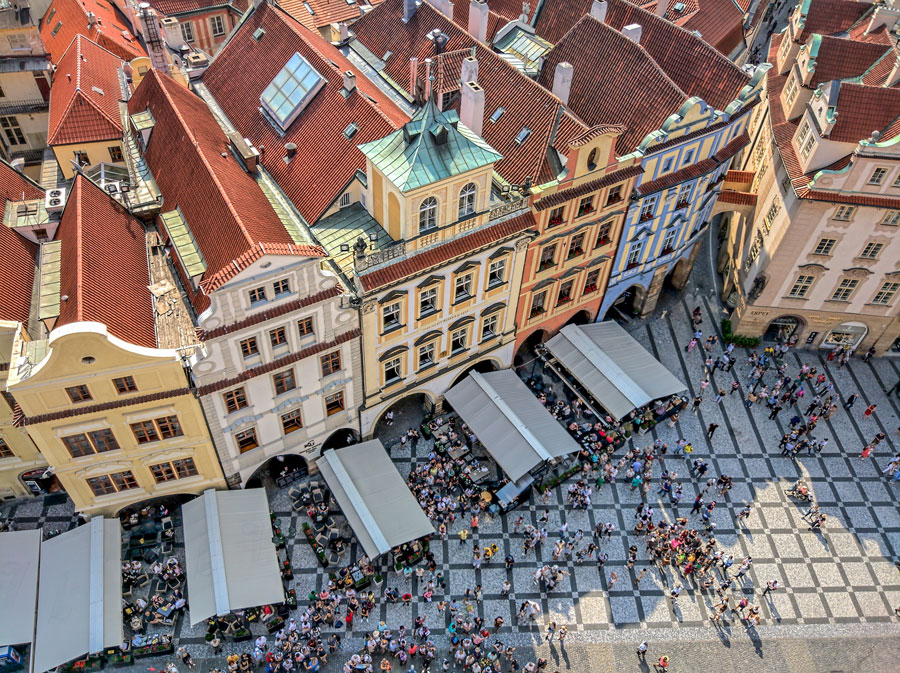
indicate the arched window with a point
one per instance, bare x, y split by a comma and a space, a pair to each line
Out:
428, 214
592, 159
467, 200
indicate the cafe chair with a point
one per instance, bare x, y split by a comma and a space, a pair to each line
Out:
142, 580
167, 523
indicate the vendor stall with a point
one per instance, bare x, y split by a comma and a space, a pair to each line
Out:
19, 554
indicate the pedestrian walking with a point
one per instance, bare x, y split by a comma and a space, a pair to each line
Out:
870, 410
642, 650
663, 663
771, 586
613, 578
563, 632
551, 628
866, 452
711, 430
850, 400
735, 385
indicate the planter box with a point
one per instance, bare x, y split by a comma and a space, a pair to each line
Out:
152, 650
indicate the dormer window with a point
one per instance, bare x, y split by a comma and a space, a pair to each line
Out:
291, 91
878, 176
467, 200
806, 140
428, 215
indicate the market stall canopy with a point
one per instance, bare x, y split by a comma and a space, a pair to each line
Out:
231, 562
80, 597
20, 552
509, 421
612, 366
374, 497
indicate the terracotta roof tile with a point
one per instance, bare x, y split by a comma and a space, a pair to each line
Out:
740, 176
17, 254
720, 22
104, 266
737, 198
327, 160
696, 170
176, 7
863, 109
67, 18
230, 218
831, 16
321, 12
565, 195
878, 74
840, 58
500, 13
892, 203
84, 98
441, 254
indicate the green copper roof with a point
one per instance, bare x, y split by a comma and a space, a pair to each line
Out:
185, 245
432, 146
343, 228
51, 254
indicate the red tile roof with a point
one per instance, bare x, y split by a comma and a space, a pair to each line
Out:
863, 109
111, 31
879, 73
840, 58
892, 203
446, 252
84, 98
831, 16
323, 12
737, 198
104, 266
17, 254
176, 7
122, 403
500, 13
326, 160
739, 176
720, 22
565, 195
231, 220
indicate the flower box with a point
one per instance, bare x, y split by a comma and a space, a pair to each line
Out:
555, 221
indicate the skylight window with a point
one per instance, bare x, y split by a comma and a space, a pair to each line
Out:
523, 135
291, 91
308, 8
497, 114
56, 28
258, 33
351, 130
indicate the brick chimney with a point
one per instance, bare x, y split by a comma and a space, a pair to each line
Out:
445, 7
349, 81
471, 106
409, 9
598, 10
478, 21
172, 31
633, 32
661, 7
469, 70
562, 81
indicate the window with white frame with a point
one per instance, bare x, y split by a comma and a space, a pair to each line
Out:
393, 370
489, 326
390, 316
467, 200
791, 89
684, 195
346, 200
458, 340
771, 214
187, 31
886, 294
669, 240
878, 176
807, 146
872, 250
891, 218
648, 207
845, 289
497, 272
844, 213
428, 301
462, 288
825, 246
426, 355
217, 25
428, 214
801, 286
634, 254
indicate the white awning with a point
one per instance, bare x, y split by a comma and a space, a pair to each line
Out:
374, 497
230, 559
612, 366
509, 421
20, 553
80, 598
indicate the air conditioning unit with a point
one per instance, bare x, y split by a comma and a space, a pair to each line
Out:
55, 200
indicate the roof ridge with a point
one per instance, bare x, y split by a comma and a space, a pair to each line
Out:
79, 264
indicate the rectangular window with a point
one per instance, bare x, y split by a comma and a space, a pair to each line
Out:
872, 250
334, 403
844, 213
825, 246
669, 241
804, 132
602, 235
144, 432
101, 485
234, 400
18, 41
393, 370
391, 316
123, 481
187, 31
462, 288
489, 327
458, 340
125, 384
117, 481
115, 154
667, 165
169, 427
538, 304
331, 363
886, 294
634, 254
684, 196
615, 195
891, 218
103, 440
576, 246
688, 157
281, 287
648, 207
5, 451
548, 257
426, 355
78, 445
845, 289
346, 197
557, 216
565, 293
185, 467
249, 347
278, 337
878, 176
291, 421
79, 393
81, 158
497, 272
257, 295
305, 326
590, 281
12, 131
163, 472
801, 286
771, 214
284, 381
791, 89
246, 440
427, 301
586, 206
808, 146
217, 25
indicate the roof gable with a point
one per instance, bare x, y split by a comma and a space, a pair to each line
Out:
840, 58
67, 18
315, 14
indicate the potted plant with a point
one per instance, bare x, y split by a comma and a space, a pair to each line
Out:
378, 580
241, 634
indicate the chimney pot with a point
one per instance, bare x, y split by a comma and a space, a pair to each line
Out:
598, 10
349, 81
345, 31
562, 81
471, 107
445, 7
409, 9
478, 21
661, 7
469, 71
633, 32
290, 150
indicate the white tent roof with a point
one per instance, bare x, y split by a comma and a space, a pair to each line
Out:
510, 422
374, 497
20, 552
80, 599
615, 369
230, 559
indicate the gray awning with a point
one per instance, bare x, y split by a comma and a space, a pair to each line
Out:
80, 598
230, 559
374, 497
510, 422
20, 553
612, 366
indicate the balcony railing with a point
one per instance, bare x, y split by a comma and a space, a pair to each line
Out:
15, 107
